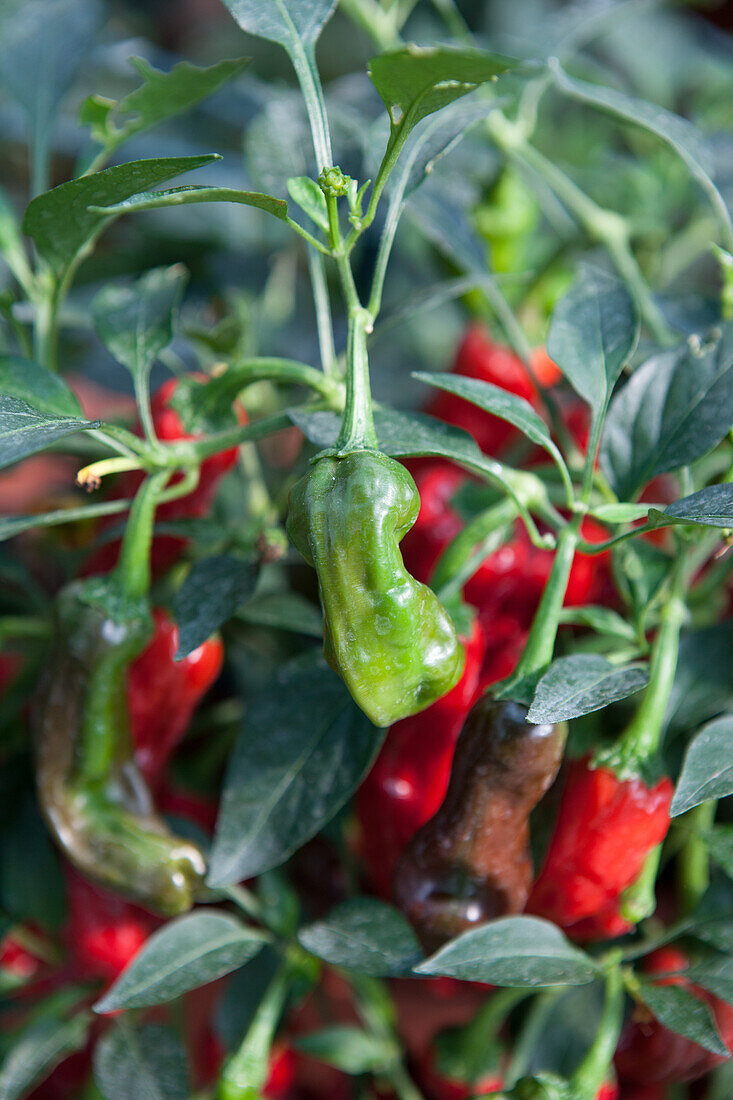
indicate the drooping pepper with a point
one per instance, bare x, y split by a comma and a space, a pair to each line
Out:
386, 634
651, 1054
92, 794
606, 828
471, 861
163, 693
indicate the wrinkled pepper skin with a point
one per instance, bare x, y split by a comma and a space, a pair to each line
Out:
605, 829
471, 862
649, 1054
162, 693
93, 797
386, 634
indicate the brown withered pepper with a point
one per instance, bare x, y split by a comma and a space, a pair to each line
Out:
471, 862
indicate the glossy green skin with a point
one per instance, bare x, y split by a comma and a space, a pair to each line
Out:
94, 799
388, 636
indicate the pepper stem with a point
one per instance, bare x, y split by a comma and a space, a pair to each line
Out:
694, 859
644, 733
593, 1070
357, 427
133, 568
541, 640
245, 1073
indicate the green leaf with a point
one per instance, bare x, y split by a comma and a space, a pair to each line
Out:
42, 45
513, 951
416, 81
25, 430
42, 1045
707, 771
366, 935
136, 322
717, 932
684, 1014
680, 135
498, 402
247, 986
209, 596
144, 1063
304, 750
60, 221
582, 683
593, 331
310, 198
192, 194
349, 1049
712, 507
619, 513
288, 22
284, 611
673, 410
715, 975
703, 683
160, 96
720, 844
44, 390
187, 952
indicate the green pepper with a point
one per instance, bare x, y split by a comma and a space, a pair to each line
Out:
93, 797
387, 635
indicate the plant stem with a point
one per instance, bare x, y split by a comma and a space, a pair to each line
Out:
694, 859
133, 568
45, 328
245, 1073
460, 552
541, 641
322, 304
357, 428
374, 20
233, 437
643, 734
594, 1068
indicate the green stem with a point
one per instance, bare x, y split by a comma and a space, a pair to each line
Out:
374, 20
322, 304
133, 568
357, 428
45, 332
643, 734
245, 1073
402, 1083
694, 859
594, 1069
221, 441
532, 1028
23, 626
541, 641
461, 551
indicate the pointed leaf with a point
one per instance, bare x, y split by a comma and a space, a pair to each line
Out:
187, 952
349, 1049
580, 684
593, 331
42, 1045
684, 1014
366, 935
211, 593
720, 844
144, 1063
305, 749
707, 771
60, 221
27, 381
136, 321
715, 975
25, 430
673, 410
712, 507
513, 951
308, 195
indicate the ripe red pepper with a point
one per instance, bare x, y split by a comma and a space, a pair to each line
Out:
17, 965
605, 829
162, 694
650, 1054
410, 776
478, 357
103, 932
169, 428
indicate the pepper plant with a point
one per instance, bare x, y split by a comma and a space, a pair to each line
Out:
366, 728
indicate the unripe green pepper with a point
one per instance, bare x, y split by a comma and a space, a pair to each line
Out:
387, 635
95, 800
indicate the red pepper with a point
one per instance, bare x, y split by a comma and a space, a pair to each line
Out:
650, 1054
478, 357
437, 523
162, 694
103, 932
282, 1072
608, 1091
605, 829
17, 965
409, 778
169, 428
